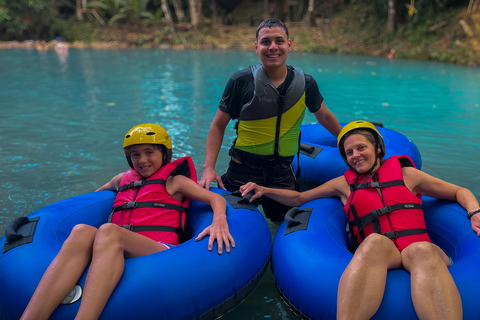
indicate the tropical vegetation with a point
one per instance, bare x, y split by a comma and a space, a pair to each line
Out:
445, 30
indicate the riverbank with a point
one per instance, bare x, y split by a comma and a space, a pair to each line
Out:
454, 39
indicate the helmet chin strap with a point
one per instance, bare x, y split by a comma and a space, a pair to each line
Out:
376, 158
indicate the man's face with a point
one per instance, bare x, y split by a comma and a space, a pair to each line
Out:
273, 47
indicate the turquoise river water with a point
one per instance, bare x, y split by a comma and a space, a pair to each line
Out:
63, 118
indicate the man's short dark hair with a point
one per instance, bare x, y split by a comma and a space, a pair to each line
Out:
272, 23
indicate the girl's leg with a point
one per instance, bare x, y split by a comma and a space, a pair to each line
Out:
362, 284
434, 293
62, 274
112, 245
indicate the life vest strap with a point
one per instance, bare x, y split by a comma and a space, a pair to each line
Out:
359, 222
374, 217
141, 183
375, 184
151, 228
402, 233
389, 209
147, 204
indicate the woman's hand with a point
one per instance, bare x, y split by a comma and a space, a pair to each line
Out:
250, 186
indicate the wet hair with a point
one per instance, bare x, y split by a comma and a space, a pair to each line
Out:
271, 23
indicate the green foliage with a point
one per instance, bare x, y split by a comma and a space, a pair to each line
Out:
424, 8
111, 7
134, 9
130, 10
4, 12
152, 18
354, 26
24, 19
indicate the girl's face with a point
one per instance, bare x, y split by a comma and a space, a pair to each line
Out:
360, 153
146, 159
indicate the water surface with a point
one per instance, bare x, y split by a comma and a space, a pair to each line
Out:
62, 119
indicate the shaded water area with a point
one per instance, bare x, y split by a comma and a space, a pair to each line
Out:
63, 118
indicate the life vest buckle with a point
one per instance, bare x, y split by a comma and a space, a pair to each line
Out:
385, 210
135, 184
129, 205
381, 211
374, 184
391, 234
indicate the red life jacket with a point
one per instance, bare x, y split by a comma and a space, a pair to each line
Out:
144, 205
397, 214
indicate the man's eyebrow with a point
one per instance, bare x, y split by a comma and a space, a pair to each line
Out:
273, 37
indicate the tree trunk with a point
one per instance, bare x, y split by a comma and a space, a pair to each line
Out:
214, 12
78, 10
300, 11
177, 5
472, 6
310, 16
166, 12
194, 13
391, 16
266, 10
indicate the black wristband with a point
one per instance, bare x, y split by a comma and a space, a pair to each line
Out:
472, 213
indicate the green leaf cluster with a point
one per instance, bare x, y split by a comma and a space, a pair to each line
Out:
132, 11
23, 19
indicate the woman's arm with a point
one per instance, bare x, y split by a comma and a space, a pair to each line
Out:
336, 187
420, 182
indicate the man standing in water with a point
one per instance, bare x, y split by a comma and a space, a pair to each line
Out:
269, 102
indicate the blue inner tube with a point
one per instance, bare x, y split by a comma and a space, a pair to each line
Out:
308, 259
320, 160
185, 282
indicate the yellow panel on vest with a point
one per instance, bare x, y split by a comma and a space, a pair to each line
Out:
258, 136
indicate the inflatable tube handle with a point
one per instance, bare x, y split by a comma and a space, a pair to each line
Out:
309, 150
289, 217
297, 219
237, 202
19, 232
11, 234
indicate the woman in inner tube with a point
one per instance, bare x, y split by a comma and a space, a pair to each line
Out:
382, 201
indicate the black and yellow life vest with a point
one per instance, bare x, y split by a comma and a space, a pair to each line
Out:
270, 122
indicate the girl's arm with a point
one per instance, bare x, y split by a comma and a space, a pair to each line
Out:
218, 230
112, 184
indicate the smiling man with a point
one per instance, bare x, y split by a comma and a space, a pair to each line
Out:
268, 100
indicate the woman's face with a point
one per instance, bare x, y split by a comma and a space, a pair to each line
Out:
360, 153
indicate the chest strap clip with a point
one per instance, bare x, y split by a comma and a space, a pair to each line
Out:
129, 205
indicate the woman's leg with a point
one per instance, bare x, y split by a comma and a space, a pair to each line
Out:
362, 284
112, 245
434, 293
62, 274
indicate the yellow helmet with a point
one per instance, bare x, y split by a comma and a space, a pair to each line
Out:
147, 133
364, 125
151, 134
